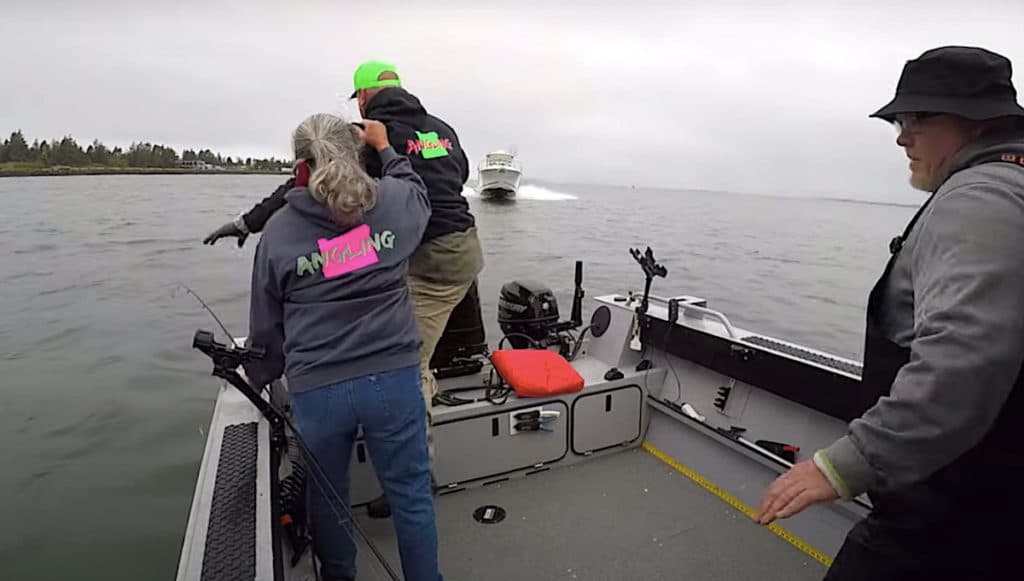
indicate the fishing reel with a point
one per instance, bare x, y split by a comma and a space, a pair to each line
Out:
226, 361
225, 357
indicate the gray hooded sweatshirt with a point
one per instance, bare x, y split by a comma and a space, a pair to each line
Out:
955, 297
328, 303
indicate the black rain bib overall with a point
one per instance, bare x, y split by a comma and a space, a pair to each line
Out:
962, 522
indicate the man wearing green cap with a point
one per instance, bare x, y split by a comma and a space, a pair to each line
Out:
374, 75
449, 257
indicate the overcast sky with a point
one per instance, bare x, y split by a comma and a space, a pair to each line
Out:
760, 96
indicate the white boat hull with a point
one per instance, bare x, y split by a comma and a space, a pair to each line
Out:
499, 182
689, 387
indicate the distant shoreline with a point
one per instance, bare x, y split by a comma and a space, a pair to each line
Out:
129, 171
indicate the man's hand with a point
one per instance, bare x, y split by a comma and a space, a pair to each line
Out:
794, 491
375, 134
229, 229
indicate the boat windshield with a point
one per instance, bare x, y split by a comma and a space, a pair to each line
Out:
498, 161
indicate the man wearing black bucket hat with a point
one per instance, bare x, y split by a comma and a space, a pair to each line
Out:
941, 452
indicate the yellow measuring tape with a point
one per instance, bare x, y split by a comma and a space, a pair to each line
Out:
737, 504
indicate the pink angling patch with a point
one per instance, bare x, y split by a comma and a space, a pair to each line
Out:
348, 252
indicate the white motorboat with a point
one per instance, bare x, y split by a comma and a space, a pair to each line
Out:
499, 175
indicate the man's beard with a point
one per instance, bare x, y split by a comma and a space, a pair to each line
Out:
929, 182
923, 183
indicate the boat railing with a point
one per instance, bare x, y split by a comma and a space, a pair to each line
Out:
703, 311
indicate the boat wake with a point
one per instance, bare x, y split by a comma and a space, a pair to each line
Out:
528, 192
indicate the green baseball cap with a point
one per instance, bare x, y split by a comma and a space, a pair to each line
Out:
368, 76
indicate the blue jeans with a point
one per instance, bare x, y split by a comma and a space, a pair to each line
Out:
390, 408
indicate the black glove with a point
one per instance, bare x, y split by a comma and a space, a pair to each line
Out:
229, 229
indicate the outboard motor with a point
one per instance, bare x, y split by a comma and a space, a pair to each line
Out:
527, 310
528, 314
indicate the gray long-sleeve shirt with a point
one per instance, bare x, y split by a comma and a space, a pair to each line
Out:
955, 298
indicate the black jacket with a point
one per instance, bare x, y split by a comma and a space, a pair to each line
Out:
432, 147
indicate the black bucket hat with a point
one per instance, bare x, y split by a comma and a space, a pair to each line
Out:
967, 81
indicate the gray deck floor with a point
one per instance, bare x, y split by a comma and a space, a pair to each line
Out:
622, 517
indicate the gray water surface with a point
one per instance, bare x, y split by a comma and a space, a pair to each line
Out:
104, 403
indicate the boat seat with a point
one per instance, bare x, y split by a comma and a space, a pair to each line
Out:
536, 372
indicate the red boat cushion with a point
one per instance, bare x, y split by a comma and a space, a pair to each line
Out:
536, 372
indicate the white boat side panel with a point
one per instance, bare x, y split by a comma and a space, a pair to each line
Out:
231, 408
765, 416
264, 536
612, 348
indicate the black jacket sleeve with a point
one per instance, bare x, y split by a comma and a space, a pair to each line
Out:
256, 218
371, 162
465, 164
398, 135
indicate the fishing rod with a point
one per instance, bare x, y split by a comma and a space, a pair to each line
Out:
226, 361
209, 310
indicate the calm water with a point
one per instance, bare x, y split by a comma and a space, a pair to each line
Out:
104, 404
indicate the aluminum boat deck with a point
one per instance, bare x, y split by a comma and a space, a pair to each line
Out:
626, 516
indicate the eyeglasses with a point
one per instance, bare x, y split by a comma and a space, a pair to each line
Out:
911, 122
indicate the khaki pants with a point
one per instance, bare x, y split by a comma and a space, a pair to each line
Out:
433, 302
441, 272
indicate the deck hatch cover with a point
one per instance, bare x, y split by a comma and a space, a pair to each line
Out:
230, 552
489, 514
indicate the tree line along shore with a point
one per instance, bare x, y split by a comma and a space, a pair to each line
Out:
66, 156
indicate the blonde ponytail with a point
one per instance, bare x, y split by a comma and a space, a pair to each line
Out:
338, 180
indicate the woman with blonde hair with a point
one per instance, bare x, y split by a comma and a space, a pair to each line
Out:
332, 310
